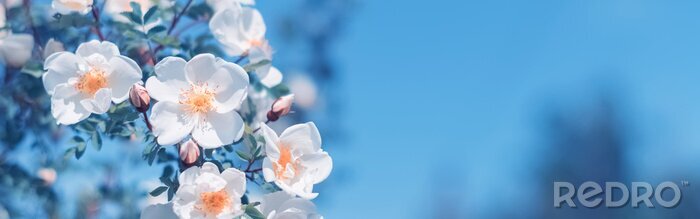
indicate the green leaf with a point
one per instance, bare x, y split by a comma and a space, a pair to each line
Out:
96, 141
136, 9
149, 14
253, 212
132, 17
155, 30
158, 191
243, 155
167, 171
70, 152
252, 66
33, 69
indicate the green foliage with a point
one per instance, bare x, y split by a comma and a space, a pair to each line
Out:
73, 20
253, 212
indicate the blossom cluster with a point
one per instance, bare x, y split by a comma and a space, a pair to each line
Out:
202, 102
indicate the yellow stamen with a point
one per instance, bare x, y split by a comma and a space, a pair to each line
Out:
92, 81
255, 42
285, 159
213, 203
198, 99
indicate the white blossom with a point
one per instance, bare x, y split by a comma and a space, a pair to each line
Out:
87, 81
295, 160
238, 30
198, 97
206, 193
281, 205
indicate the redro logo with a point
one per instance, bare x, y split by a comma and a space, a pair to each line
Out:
588, 192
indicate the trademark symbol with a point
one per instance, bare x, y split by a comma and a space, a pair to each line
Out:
685, 183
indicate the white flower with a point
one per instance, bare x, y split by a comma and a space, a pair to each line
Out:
218, 5
197, 97
268, 75
238, 30
206, 193
158, 211
295, 161
15, 49
52, 46
86, 82
70, 6
280, 205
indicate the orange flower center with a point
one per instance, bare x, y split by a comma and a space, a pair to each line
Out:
256, 42
285, 159
213, 203
92, 81
198, 99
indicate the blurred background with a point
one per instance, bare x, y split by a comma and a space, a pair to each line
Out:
457, 109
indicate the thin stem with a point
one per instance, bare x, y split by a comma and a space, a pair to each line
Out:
148, 123
27, 11
240, 58
177, 17
96, 28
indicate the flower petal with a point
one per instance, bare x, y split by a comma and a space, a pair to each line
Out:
253, 24
268, 171
66, 107
124, 75
209, 167
169, 80
60, 67
228, 80
158, 211
170, 122
104, 48
271, 78
318, 166
218, 129
232, 82
236, 181
304, 137
271, 149
225, 26
100, 103
273, 201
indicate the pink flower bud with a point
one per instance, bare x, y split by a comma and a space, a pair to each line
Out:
280, 107
139, 98
189, 152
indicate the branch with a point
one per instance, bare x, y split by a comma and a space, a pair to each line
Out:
96, 28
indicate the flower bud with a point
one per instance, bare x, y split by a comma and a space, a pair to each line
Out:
189, 152
139, 98
280, 107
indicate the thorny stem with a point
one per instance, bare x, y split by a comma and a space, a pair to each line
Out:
96, 28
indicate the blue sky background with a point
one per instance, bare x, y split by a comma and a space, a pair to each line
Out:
450, 94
